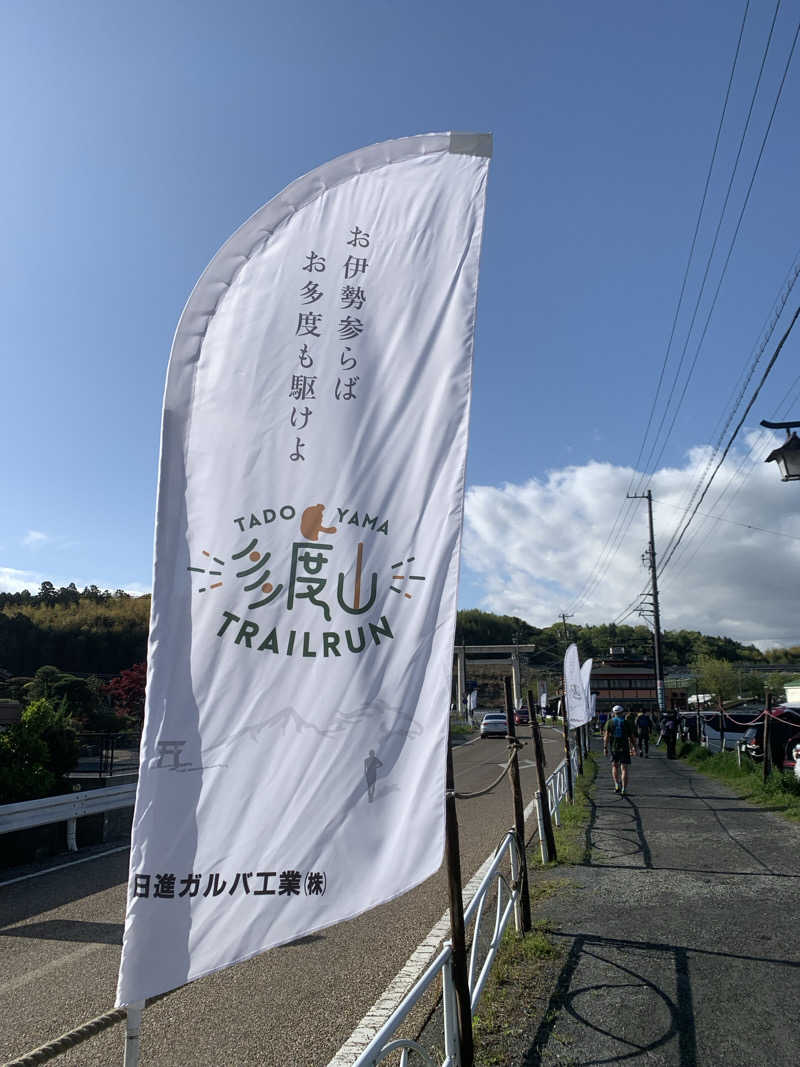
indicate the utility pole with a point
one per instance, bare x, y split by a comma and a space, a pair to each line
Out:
564, 618
648, 496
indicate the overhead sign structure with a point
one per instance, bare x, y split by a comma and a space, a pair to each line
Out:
307, 543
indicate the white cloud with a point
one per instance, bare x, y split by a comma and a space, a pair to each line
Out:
14, 581
532, 548
34, 538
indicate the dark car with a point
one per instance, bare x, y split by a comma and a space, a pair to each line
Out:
494, 724
784, 737
521, 717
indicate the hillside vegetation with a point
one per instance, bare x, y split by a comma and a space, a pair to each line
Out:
99, 632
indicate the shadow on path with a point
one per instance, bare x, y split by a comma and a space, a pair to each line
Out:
615, 975
715, 812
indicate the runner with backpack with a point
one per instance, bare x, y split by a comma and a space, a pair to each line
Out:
619, 738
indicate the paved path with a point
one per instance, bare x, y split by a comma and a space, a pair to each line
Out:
682, 934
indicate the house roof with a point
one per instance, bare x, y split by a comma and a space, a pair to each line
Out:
10, 711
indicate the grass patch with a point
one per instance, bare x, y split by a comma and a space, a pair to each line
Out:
462, 728
525, 972
571, 845
780, 792
518, 980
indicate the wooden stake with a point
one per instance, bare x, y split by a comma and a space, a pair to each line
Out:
519, 813
767, 754
457, 936
570, 792
538, 749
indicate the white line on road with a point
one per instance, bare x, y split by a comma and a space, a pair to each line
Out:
46, 968
72, 863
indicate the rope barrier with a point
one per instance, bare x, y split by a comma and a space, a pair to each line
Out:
513, 747
70, 1039
739, 722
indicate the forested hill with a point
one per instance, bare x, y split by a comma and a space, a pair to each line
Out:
89, 632
99, 632
680, 647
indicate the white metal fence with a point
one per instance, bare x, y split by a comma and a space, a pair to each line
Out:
384, 1044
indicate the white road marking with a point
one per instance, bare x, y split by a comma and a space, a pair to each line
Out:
46, 968
72, 863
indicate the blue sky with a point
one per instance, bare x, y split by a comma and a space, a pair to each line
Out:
138, 138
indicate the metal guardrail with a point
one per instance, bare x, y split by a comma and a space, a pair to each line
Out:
382, 1045
67, 808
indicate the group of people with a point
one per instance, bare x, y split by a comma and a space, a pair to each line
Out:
625, 735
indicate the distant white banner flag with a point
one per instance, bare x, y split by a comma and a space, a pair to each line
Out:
573, 688
472, 700
306, 563
543, 700
586, 674
593, 705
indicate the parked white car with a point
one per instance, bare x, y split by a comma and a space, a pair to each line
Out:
494, 724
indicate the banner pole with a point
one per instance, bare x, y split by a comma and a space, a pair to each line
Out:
133, 1027
565, 721
519, 809
538, 750
457, 936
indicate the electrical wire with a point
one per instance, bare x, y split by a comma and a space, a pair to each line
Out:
770, 365
732, 522
732, 243
710, 258
693, 243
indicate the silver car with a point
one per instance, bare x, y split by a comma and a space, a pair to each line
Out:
494, 724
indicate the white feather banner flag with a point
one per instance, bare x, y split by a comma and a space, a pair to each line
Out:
586, 674
306, 563
573, 688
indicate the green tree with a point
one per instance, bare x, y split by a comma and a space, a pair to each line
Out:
718, 677
37, 753
44, 683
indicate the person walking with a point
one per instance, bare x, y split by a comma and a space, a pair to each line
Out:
618, 738
669, 731
644, 726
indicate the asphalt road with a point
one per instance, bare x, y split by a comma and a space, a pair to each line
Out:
290, 1007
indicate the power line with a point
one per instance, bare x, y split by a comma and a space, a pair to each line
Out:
732, 243
693, 242
732, 522
770, 365
624, 518
771, 323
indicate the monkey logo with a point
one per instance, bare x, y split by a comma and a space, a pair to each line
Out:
311, 523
